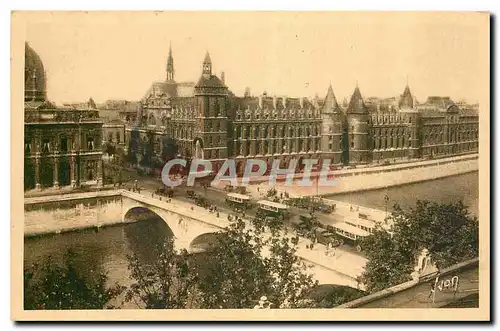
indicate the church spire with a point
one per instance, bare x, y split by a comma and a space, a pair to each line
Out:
170, 64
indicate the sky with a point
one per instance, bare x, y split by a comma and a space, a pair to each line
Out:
118, 56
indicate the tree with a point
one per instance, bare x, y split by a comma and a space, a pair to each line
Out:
239, 267
166, 283
54, 286
246, 264
449, 233
109, 148
170, 149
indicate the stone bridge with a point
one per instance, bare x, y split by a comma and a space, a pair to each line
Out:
193, 227
189, 226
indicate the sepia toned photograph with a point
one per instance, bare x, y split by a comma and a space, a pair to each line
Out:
290, 166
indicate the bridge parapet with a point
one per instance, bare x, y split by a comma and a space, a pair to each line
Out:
185, 223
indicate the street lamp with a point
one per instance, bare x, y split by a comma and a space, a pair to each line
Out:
386, 200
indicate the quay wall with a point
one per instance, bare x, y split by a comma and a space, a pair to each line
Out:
372, 178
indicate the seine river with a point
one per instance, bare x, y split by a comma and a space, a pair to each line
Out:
106, 250
445, 190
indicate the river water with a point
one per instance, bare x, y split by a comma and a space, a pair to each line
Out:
463, 187
107, 249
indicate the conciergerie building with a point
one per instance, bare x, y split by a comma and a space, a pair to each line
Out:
208, 121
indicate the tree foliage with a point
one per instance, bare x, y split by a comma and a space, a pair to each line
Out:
55, 286
447, 230
166, 283
242, 265
246, 264
109, 148
170, 149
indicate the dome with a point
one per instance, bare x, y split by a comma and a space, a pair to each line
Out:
34, 76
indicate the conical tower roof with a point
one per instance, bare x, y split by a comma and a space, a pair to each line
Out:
207, 58
330, 104
406, 100
357, 105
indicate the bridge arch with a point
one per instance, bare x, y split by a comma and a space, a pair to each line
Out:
204, 242
141, 213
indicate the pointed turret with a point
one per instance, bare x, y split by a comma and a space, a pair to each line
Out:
406, 100
207, 66
357, 105
330, 104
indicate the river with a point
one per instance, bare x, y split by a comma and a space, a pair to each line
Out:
463, 187
106, 250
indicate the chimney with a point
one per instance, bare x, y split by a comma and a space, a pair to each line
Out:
260, 101
301, 102
223, 78
284, 102
275, 102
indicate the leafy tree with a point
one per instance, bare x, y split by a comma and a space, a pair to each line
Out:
242, 265
246, 264
170, 149
109, 148
166, 283
54, 286
447, 230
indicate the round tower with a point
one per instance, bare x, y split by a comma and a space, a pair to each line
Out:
358, 130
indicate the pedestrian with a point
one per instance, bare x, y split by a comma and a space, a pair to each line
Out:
217, 214
152, 195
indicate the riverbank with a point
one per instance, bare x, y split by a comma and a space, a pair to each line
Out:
341, 269
373, 178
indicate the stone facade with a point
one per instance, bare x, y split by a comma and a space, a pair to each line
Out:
62, 146
207, 120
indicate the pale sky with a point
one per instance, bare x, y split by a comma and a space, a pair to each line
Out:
118, 56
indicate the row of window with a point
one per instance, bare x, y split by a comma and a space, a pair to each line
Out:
270, 147
389, 119
258, 115
273, 131
117, 135
62, 145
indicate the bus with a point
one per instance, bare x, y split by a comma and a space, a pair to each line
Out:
238, 200
273, 208
352, 233
363, 224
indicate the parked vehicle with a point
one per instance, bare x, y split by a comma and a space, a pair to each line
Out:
237, 200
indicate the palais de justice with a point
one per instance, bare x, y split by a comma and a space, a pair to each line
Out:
63, 145
207, 120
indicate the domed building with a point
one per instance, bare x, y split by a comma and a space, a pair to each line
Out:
62, 146
34, 76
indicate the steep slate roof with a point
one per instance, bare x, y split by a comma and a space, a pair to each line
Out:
210, 82
406, 100
330, 104
207, 58
356, 105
